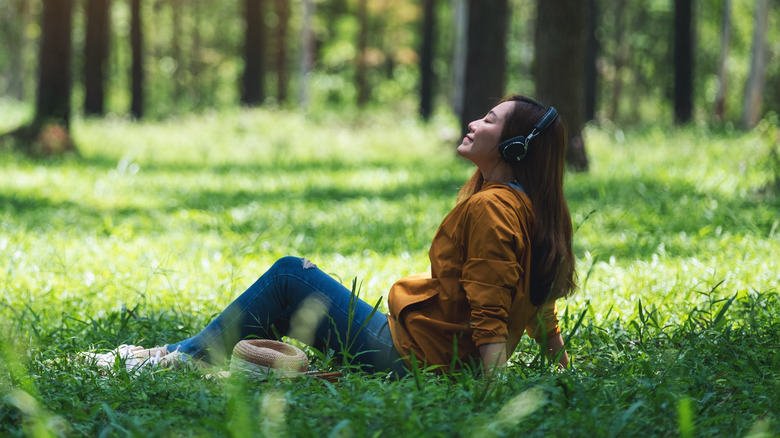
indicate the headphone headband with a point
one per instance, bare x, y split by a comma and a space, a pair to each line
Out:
547, 120
515, 148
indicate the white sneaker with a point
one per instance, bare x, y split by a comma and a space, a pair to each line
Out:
147, 356
135, 357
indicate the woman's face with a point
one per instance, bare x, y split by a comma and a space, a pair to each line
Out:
480, 144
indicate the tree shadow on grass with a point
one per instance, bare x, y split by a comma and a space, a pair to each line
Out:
632, 216
649, 212
353, 218
270, 165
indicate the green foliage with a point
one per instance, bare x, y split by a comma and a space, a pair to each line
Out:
193, 55
160, 225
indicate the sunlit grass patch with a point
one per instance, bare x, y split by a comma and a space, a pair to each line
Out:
160, 225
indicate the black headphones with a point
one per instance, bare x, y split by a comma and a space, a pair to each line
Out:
514, 149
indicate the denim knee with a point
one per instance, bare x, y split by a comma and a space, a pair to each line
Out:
286, 264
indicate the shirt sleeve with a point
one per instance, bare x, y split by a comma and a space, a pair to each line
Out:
545, 323
491, 272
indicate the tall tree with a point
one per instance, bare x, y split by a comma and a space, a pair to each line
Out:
253, 92
14, 19
591, 55
725, 42
755, 84
381, 28
307, 50
361, 69
48, 133
137, 68
283, 13
683, 61
620, 55
95, 55
460, 13
560, 62
427, 75
484, 63
196, 65
176, 52
54, 83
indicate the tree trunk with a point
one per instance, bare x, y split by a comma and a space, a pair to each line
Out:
95, 56
196, 54
137, 75
12, 31
282, 70
636, 19
485, 63
683, 61
54, 84
176, 52
254, 53
725, 42
48, 134
591, 56
460, 46
560, 63
307, 50
427, 75
757, 76
619, 59
387, 44
361, 69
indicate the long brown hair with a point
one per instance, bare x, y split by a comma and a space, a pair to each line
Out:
541, 175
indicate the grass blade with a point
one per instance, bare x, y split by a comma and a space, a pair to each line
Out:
722, 312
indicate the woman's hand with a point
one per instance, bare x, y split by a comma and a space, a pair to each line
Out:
554, 345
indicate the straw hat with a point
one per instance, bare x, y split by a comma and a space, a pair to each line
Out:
260, 356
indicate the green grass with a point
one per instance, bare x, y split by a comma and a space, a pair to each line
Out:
158, 226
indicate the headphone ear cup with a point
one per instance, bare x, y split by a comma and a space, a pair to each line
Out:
513, 149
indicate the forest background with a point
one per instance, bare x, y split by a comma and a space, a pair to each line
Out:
197, 158
632, 61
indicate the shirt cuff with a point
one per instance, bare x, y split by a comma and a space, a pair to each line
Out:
490, 340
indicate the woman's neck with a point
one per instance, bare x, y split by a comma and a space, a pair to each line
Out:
500, 173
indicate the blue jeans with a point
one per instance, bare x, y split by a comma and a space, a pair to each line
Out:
306, 304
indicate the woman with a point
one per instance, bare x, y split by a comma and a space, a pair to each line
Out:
499, 261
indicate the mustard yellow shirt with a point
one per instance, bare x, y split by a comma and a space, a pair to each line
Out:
478, 289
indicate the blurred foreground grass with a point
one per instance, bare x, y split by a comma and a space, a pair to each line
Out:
677, 244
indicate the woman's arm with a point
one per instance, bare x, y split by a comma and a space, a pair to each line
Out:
493, 356
491, 273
